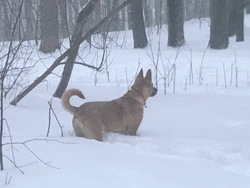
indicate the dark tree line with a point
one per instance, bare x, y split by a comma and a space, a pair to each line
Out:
51, 21
98, 16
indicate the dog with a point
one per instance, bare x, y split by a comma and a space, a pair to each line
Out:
122, 115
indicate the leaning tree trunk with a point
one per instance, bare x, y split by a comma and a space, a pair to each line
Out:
219, 29
137, 24
76, 37
175, 23
49, 26
58, 61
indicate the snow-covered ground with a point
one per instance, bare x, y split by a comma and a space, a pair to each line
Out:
196, 138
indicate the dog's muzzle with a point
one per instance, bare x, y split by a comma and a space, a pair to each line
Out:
154, 92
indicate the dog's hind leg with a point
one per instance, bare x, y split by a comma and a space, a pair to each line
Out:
92, 130
78, 127
87, 129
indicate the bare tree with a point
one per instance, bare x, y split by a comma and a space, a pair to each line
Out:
137, 24
148, 12
236, 20
49, 26
29, 20
77, 34
219, 31
64, 30
158, 14
175, 23
240, 23
7, 20
196, 9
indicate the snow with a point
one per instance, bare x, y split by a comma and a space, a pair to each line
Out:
197, 137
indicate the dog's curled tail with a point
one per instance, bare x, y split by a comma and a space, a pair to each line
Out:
66, 100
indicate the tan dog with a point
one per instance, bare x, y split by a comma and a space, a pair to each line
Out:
122, 115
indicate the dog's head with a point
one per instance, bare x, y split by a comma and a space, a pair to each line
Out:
144, 85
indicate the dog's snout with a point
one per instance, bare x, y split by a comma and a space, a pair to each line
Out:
154, 92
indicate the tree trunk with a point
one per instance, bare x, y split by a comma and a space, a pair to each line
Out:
30, 17
148, 12
240, 21
76, 37
232, 20
137, 23
124, 20
64, 32
49, 26
236, 20
1, 122
248, 9
158, 14
115, 24
219, 30
7, 22
175, 23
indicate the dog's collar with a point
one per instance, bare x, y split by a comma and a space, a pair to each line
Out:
140, 94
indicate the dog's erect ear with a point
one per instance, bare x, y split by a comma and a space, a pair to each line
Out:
140, 75
149, 75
